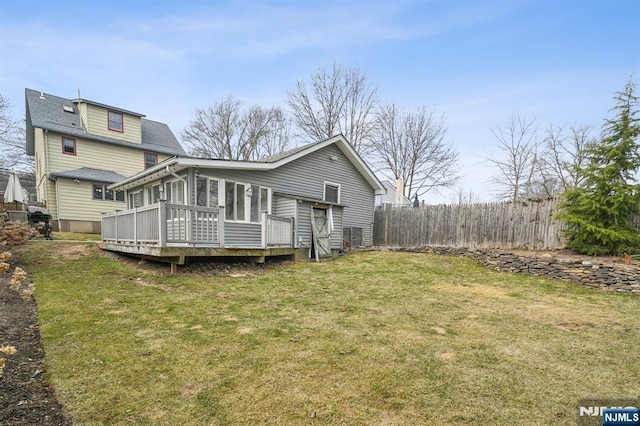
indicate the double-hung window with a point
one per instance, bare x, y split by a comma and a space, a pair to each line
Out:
150, 160
116, 122
68, 146
331, 192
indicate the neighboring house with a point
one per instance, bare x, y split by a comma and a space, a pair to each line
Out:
302, 202
390, 198
81, 147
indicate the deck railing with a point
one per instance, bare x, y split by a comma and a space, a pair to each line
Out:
166, 224
277, 231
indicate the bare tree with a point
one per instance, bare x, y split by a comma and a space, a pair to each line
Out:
226, 131
517, 166
411, 145
13, 153
564, 156
463, 196
339, 101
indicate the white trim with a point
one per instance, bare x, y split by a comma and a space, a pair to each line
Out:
324, 191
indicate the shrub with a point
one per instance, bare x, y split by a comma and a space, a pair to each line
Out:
14, 233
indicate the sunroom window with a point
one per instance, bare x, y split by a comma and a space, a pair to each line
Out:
244, 202
207, 192
175, 192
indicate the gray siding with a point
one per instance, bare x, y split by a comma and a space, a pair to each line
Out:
303, 221
305, 177
242, 234
286, 207
283, 206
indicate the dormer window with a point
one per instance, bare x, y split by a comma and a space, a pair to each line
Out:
115, 121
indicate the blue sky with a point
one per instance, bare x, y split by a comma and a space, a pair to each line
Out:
476, 62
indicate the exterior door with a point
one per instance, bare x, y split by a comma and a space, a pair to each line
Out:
321, 233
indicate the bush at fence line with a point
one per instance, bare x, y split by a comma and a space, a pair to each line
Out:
15, 233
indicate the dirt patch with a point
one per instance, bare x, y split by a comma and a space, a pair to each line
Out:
73, 251
25, 396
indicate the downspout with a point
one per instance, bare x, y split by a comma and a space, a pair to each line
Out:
46, 175
174, 174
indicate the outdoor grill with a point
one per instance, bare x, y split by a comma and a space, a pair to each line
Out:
39, 218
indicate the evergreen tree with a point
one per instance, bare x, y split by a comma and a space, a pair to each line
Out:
598, 212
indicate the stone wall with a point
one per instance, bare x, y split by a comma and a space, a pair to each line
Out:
605, 274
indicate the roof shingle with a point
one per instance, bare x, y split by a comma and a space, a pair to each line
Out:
46, 111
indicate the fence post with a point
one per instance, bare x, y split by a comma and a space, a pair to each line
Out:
162, 222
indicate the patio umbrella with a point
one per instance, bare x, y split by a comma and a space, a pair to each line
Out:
14, 191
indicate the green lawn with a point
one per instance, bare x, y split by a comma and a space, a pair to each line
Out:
371, 338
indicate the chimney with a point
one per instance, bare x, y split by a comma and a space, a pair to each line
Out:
399, 191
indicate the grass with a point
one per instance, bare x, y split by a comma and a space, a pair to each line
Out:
75, 236
371, 338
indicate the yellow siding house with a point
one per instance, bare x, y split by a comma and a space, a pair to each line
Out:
81, 147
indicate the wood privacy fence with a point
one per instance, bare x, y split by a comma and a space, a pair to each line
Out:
505, 225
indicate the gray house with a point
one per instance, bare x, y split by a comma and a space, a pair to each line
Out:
309, 202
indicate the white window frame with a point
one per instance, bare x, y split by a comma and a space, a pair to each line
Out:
222, 197
148, 193
210, 182
324, 191
131, 198
170, 187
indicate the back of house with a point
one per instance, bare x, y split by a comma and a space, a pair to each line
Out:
324, 189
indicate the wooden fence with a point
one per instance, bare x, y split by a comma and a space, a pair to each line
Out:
528, 225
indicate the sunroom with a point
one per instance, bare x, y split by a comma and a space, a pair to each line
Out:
179, 210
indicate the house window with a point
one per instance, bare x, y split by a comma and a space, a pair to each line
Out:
259, 202
115, 121
331, 193
150, 160
68, 146
135, 199
207, 192
100, 192
234, 200
175, 192
153, 194
245, 202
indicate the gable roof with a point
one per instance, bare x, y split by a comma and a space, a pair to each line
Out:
46, 111
177, 164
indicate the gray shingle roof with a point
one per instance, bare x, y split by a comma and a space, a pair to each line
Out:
283, 155
46, 111
87, 173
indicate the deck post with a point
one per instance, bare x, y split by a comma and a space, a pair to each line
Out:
116, 226
221, 217
265, 230
135, 226
162, 223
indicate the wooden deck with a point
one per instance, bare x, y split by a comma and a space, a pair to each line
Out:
173, 233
